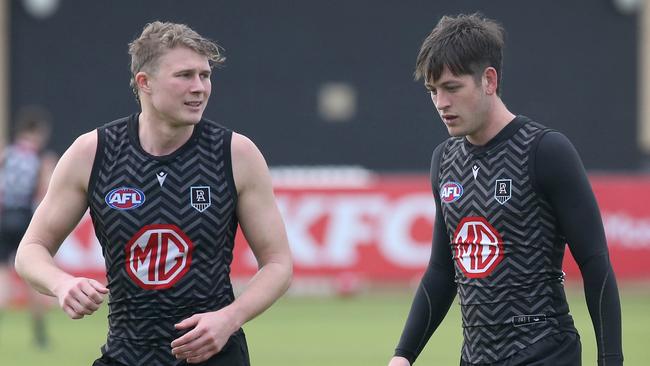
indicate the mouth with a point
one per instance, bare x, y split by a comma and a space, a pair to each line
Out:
195, 104
448, 118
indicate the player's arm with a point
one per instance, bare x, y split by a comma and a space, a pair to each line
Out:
48, 163
264, 230
436, 291
58, 213
561, 177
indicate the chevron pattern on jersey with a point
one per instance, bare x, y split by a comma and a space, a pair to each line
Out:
528, 279
141, 320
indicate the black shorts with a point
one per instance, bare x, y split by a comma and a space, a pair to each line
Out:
234, 353
562, 349
9, 240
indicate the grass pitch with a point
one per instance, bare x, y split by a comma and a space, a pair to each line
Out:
317, 331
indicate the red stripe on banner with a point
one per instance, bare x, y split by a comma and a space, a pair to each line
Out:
624, 203
382, 231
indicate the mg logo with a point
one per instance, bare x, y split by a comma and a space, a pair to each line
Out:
158, 256
478, 247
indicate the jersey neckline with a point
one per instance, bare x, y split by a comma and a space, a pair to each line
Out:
505, 133
134, 137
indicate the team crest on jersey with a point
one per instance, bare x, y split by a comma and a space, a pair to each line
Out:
125, 198
450, 192
503, 190
200, 198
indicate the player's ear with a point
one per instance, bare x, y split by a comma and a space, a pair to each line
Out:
490, 80
143, 82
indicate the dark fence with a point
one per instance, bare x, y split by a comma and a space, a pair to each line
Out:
571, 65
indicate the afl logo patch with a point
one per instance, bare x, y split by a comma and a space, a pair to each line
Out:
450, 192
125, 198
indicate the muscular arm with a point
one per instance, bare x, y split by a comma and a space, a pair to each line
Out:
48, 163
436, 291
263, 227
561, 178
58, 213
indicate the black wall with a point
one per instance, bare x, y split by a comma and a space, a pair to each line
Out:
571, 65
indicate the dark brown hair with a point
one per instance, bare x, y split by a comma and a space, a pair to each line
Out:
465, 44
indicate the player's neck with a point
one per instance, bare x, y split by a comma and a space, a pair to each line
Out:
159, 137
496, 119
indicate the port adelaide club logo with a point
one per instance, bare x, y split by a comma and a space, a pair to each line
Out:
200, 198
503, 190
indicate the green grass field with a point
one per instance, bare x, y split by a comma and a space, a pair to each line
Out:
316, 331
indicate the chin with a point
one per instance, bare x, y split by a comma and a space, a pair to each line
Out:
453, 132
191, 120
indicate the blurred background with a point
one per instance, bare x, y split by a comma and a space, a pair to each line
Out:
325, 89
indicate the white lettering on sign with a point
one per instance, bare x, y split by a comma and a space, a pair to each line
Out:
329, 230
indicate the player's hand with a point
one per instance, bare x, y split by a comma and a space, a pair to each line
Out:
208, 333
79, 296
399, 361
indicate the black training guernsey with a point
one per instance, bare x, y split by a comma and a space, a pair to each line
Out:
19, 178
504, 213
166, 225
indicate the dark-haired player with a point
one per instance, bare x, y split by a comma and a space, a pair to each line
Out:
509, 194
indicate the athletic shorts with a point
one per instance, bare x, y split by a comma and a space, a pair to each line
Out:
234, 353
9, 241
563, 349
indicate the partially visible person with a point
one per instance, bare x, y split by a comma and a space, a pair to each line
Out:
166, 189
25, 170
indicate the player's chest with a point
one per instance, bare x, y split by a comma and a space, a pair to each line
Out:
485, 186
173, 188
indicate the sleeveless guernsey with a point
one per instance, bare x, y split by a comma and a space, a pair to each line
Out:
166, 225
505, 244
19, 176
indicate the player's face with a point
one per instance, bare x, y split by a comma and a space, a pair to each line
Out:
461, 102
180, 87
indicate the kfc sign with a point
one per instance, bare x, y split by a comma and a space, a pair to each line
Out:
352, 224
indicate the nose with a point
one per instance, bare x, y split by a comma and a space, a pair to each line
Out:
441, 101
198, 84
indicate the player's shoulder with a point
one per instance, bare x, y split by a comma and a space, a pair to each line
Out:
529, 125
85, 143
212, 127
243, 147
553, 142
124, 121
547, 137
84, 146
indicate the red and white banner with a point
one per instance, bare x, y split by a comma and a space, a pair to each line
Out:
382, 231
